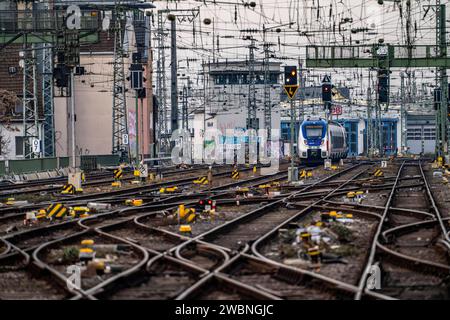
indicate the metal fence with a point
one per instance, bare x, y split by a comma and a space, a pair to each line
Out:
9, 167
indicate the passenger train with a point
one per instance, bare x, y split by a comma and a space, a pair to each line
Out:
313, 143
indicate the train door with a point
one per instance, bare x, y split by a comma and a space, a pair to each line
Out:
351, 130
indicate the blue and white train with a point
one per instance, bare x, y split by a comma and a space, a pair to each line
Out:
313, 144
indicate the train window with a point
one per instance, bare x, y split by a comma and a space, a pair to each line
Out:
314, 132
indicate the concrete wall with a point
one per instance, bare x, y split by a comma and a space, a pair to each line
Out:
93, 110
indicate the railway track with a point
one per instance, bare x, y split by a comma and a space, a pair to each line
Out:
42, 240
252, 225
92, 179
111, 195
410, 250
227, 260
19, 281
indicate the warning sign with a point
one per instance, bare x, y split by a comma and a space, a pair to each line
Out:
291, 90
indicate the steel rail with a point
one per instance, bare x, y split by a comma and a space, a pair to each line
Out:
272, 233
408, 228
178, 252
445, 232
397, 210
373, 247
257, 212
412, 261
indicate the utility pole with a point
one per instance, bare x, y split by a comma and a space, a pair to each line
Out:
204, 108
173, 68
72, 117
29, 99
369, 123
292, 151
48, 101
120, 143
185, 108
377, 130
267, 102
327, 99
442, 116
291, 87
161, 82
402, 112
302, 92
251, 107
72, 59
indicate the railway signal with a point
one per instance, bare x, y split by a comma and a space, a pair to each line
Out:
437, 94
383, 85
290, 81
326, 89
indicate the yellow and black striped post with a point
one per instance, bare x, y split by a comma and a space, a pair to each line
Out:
378, 173
202, 181
56, 211
68, 189
235, 174
303, 174
118, 173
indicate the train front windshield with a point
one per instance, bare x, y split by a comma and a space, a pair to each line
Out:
314, 132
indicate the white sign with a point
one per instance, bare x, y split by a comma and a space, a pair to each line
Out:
125, 139
327, 164
36, 145
143, 170
384, 164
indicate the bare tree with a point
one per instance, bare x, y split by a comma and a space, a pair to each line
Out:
8, 101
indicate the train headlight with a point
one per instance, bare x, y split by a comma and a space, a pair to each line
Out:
322, 143
305, 142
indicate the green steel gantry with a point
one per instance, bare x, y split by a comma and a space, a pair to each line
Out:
386, 56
